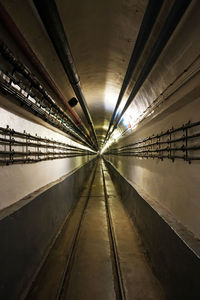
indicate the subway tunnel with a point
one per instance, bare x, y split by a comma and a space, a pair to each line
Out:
99, 150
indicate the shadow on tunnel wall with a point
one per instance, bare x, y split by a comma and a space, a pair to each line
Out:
175, 264
27, 234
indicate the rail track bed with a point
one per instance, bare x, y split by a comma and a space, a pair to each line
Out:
98, 253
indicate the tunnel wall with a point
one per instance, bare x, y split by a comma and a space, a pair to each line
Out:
174, 185
162, 198
172, 250
27, 234
19, 180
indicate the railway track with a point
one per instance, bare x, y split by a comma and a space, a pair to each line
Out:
88, 259
116, 263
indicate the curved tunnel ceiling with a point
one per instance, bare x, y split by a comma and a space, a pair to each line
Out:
102, 35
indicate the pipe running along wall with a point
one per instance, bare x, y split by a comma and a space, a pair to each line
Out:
51, 20
21, 83
26, 49
148, 21
175, 15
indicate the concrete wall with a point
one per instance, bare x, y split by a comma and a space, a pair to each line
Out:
17, 181
35, 200
173, 257
175, 186
28, 232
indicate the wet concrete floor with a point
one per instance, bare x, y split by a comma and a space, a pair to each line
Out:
98, 254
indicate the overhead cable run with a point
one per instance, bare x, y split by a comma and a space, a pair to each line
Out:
22, 147
31, 56
148, 21
18, 81
175, 15
48, 12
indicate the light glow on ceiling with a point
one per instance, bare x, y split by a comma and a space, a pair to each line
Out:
110, 97
113, 138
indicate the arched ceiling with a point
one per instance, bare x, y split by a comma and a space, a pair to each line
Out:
102, 36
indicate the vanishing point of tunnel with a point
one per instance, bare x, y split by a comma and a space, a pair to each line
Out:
99, 150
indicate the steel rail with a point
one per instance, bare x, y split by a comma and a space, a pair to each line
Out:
9, 131
166, 149
118, 274
32, 153
160, 143
69, 264
14, 139
13, 142
182, 128
161, 157
54, 144
11, 161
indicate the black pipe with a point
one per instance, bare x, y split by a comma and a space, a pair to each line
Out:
12, 132
32, 141
8, 90
32, 160
148, 21
168, 28
48, 12
176, 140
35, 83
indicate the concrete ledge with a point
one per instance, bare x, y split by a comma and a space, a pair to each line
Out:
27, 234
174, 259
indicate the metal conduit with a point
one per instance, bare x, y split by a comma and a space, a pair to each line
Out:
174, 143
148, 21
50, 17
168, 28
26, 49
22, 147
24, 46
21, 68
34, 109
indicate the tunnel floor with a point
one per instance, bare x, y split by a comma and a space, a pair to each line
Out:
98, 254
